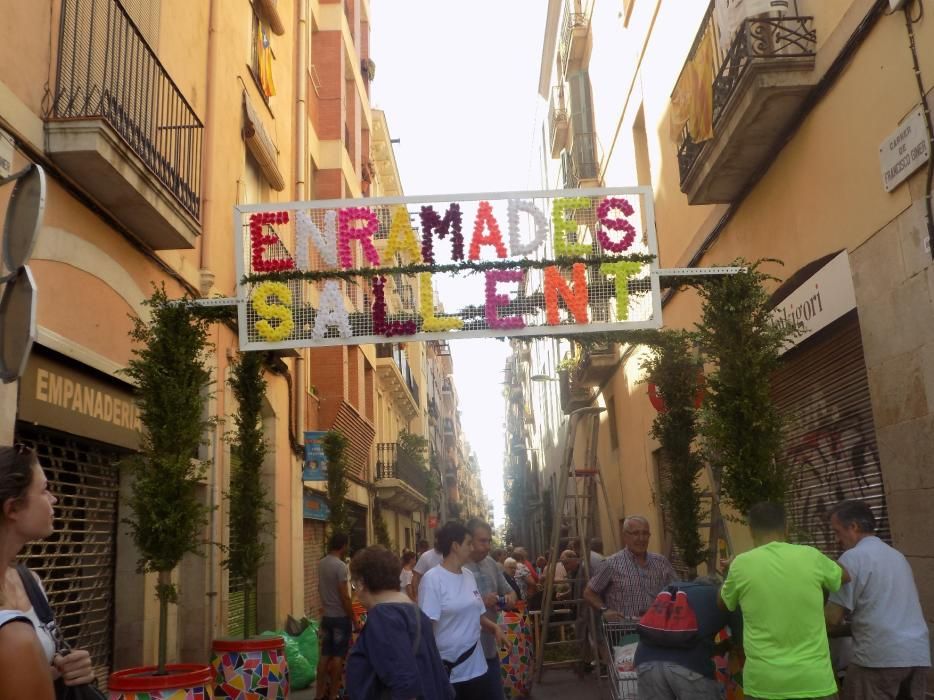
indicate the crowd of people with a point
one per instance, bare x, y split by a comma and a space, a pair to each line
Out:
432, 633
431, 629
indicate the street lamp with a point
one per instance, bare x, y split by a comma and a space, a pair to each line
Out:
542, 378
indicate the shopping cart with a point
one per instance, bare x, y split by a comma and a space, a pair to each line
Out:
619, 641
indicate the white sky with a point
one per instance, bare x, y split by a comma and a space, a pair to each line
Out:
458, 82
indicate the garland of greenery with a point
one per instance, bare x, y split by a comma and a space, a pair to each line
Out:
674, 370
412, 447
740, 426
469, 266
335, 447
249, 505
171, 378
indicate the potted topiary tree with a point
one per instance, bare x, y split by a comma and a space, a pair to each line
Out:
172, 379
254, 668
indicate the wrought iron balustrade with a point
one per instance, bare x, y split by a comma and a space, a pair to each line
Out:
106, 70
573, 19
393, 463
767, 40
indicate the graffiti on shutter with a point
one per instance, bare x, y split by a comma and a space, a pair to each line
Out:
822, 390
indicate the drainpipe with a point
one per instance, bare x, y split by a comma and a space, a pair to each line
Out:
300, 148
205, 285
208, 216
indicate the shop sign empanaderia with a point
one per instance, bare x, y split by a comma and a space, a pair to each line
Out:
57, 396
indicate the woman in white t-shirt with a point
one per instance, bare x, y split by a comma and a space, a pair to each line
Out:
405, 577
28, 515
449, 596
23, 660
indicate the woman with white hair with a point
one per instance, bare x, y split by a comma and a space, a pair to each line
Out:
526, 575
510, 566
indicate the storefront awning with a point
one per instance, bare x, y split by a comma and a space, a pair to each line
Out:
261, 146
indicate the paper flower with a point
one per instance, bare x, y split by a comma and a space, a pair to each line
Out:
430, 322
451, 223
402, 237
517, 247
622, 271
259, 241
575, 298
331, 312
325, 242
360, 224
280, 312
563, 227
607, 206
494, 300
380, 325
486, 219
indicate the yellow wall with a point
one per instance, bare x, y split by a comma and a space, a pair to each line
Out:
91, 275
822, 193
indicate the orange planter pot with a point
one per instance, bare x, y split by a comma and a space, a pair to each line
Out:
181, 682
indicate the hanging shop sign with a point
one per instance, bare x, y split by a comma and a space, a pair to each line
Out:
314, 506
823, 298
316, 464
53, 394
429, 268
904, 150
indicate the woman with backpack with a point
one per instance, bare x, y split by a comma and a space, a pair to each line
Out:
395, 655
674, 658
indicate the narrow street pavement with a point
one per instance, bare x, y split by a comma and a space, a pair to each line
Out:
556, 685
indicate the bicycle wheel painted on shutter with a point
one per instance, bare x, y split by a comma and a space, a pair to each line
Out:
822, 390
77, 563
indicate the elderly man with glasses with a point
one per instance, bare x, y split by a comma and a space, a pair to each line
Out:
628, 581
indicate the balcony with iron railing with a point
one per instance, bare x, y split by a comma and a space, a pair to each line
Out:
597, 364
755, 88
580, 167
558, 121
575, 40
400, 481
121, 128
394, 371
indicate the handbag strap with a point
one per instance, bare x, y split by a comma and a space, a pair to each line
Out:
36, 597
418, 630
40, 604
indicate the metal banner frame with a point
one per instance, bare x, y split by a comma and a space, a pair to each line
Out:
647, 284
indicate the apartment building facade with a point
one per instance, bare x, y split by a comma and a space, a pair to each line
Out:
754, 132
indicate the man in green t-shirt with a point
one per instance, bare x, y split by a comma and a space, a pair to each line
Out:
780, 589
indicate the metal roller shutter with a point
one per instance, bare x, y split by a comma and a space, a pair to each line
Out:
313, 534
77, 563
822, 389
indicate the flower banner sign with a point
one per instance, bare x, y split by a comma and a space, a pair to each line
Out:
342, 272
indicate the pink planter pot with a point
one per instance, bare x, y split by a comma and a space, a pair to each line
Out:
516, 659
250, 669
181, 682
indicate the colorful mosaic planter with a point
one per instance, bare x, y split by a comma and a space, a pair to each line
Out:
182, 682
516, 658
250, 669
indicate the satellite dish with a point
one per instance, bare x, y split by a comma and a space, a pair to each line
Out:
23, 217
17, 324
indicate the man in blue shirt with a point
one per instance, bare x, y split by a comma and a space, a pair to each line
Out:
687, 672
891, 646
